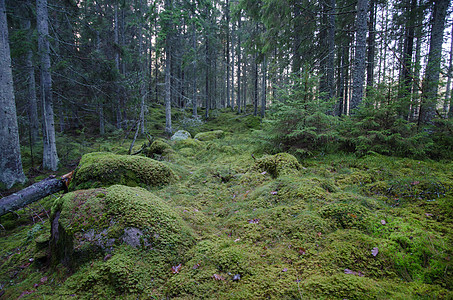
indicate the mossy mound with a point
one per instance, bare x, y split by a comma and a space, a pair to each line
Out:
88, 222
346, 215
190, 143
158, 147
100, 169
278, 164
209, 135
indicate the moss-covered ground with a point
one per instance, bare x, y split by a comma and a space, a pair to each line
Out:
266, 226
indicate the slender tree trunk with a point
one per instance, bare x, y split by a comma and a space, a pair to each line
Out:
406, 76
118, 107
228, 54
168, 128
168, 56
415, 103
156, 69
194, 73
255, 94
232, 67
331, 47
31, 92
371, 45
207, 79
239, 66
263, 88
297, 32
10, 159
244, 82
431, 82
342, 82
142, 64
50, 157
448, 102
360, 51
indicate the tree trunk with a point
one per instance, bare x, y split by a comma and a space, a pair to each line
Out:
360, 51
117, 65
406, 76
31, 92
168, 128
239, 66
371, 45
194, 74
448, 102
50, 157
10, 159
142, 70
33, 193
255, 92
331, 47
232, 67
263, 89
431, 82
228, 53
207, 79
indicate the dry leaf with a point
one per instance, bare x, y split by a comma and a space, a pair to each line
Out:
375, 251
218, 277
175, 269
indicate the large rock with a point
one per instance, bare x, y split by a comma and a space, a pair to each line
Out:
87, 223
181, 135
100, 169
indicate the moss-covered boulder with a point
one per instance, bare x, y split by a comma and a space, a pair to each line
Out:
181, 135
278, 164
209, 135
86, 223
158, 147
100, 169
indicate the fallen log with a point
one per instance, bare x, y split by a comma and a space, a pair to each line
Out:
34, 193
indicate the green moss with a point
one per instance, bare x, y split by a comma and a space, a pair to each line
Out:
88, 224
158, 147
347, 215
278, 164
210, 135
190, 143
103, 169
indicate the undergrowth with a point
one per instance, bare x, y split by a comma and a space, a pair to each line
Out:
329, 226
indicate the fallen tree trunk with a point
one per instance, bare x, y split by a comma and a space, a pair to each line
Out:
34, 193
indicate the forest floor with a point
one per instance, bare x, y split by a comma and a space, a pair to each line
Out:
333, 227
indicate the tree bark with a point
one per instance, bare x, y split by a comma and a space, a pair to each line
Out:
32, 193
31, 92
263, 89
331, 48
168, 28
360, 51
431, 82
50, 157
239, 66
448, 102
371, 45
11, 171
228, 53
